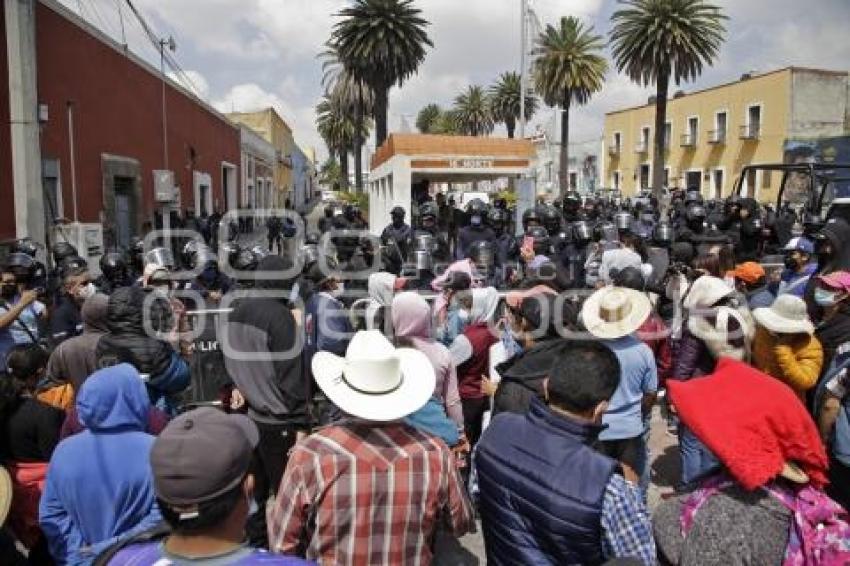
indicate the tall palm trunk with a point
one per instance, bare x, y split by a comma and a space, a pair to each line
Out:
510, 124
358, 147
565, 152
381, 110
343, 169
660, 121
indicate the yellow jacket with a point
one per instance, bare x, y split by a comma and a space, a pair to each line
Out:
794, 359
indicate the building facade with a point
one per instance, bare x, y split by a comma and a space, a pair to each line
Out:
583, 168
257, 190
303, 176
101, 138
713, 133
274, 129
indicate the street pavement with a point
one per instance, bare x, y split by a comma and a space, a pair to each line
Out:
664, 465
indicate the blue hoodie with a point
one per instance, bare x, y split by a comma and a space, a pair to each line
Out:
99, 485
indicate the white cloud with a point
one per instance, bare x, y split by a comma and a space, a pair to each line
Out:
194, 82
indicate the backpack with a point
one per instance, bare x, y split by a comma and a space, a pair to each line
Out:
818, 534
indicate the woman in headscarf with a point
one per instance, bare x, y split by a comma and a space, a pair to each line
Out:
765, 505
411, 318
471, 354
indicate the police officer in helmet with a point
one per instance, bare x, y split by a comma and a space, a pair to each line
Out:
476, 231
399, 231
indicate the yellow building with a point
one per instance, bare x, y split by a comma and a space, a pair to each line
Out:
274, 129
713, 133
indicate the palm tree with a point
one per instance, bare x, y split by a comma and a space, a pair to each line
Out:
654, 41
472, 111
505, 101
339, 130
447, 124
427, 118
382, 43
568, 69
356, 97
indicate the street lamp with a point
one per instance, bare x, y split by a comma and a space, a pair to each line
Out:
163, 43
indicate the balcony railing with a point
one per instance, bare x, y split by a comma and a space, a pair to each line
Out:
614, 150
688, 140
717, 136
750, 131
641, 147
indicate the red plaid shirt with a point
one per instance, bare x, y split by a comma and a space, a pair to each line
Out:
365, 493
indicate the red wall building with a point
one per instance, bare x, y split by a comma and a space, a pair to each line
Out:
116, 104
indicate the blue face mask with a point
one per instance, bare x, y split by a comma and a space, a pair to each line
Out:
475, 221
825, 298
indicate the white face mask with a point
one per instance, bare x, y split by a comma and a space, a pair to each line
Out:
463, 315
85, 291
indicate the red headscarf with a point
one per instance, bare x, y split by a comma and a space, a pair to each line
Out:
752, 422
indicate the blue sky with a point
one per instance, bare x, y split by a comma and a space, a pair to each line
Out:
242, 54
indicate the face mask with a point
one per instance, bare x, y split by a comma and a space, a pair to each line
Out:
253, 508
475, 221
339, 291
825, 298
463, 315
85, 291
162, 290
8, 290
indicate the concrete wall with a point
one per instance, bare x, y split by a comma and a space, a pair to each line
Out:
117, 111
7, 211
818, 104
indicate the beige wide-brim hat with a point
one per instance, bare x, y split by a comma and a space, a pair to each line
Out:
5, 495
375, 381
787, 315
614, 312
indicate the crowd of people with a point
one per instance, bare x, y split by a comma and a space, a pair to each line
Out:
359, 399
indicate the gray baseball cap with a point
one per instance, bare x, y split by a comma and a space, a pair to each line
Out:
201, 455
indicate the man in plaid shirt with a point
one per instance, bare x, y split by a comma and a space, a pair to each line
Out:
370, 489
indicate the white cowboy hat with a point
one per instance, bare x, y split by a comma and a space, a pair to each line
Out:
787, 315
375, 381
706, 291
614, 312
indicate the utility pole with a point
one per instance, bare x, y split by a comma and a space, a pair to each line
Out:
523, 65
172, 46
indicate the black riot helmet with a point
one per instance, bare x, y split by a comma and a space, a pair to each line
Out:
136, 253
25, 246
695, 214
572, 202
482, 254
72, 264
663, 235
61, 250
477, 211
113, 265
605, 231
245, 260
329, 211
428, 214
540, 237
22, 265
189, 251
397, 213
530, 218
498, 218
582, 232
551, 219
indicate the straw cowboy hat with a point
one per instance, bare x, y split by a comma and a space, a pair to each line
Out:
787, 315
375, 381
614, 312
5, 495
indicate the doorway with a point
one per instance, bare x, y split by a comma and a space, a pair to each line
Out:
693, 181
718, 183
644, 176
125, 215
